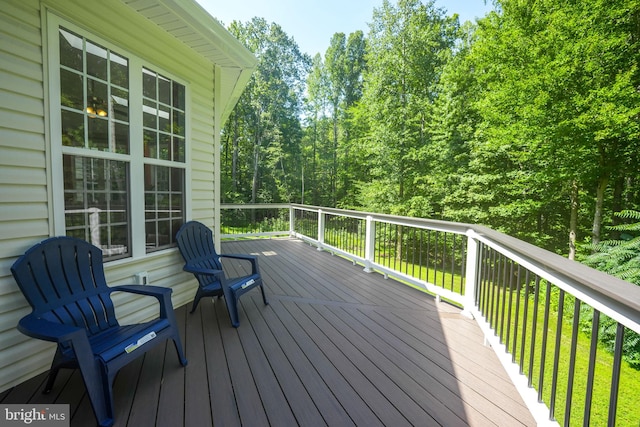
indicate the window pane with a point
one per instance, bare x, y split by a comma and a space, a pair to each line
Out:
150, 144
149, 114
98, 134
148, 83
71, 48
177, 180
121, 134
72, 129
164, 118
164, 90
178, 149
97, 98
96, 203
119, 70
178, 123
96, 61
178, 96
71, 90
165, 147
120, 104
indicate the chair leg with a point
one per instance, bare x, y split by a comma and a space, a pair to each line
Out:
51, 379
231, 302
196, 300
178, 345
98, 384
59, 361
264, 296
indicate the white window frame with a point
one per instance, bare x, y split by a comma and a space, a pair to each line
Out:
135, 158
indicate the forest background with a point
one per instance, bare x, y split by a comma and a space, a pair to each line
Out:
526, 121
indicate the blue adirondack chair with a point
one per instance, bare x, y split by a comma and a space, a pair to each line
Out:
195, 241
63, 280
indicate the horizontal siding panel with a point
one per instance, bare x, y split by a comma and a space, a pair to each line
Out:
12, 299
23, 104
31, 231
19, 140
23, 194
11, 82
20, 121
19, 65
16, 156
23, 50
22, 176
9, 334
27, 346
24, 211
12, 248
26, 12
25, 368
203, 207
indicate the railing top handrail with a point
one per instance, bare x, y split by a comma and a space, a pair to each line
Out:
623, 295
454, 227
255, 205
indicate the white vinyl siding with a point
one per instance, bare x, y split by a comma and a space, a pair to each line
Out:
23, 180
27, 211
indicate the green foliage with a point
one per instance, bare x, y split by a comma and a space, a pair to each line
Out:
525, 121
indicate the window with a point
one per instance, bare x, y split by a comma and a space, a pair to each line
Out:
164, 139
122, 142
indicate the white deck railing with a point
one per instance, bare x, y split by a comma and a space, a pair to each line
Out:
537, 309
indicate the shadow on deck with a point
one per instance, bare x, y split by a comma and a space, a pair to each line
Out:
336, 346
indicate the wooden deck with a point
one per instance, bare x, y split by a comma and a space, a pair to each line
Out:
336, 346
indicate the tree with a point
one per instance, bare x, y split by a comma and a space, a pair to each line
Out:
265, 127
559, 109
407, 48
315, 106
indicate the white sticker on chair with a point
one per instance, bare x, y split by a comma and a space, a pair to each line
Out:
151, 335
249, 283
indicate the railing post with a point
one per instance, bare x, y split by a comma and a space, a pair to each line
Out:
369, 245
292, 218
471, 274
320, 229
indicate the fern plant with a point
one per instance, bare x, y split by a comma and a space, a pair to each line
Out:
620, 258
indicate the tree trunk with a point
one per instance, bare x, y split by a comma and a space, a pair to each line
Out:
334, 171
234, 160
617, 204
597, 216
254, 184
573, 221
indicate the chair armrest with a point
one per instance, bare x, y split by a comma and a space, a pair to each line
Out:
199, 270
42, 329
251, 258
153, 291
162, 294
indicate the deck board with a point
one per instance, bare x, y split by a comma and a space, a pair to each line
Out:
335, 346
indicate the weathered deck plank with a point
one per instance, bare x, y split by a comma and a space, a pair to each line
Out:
336, 346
